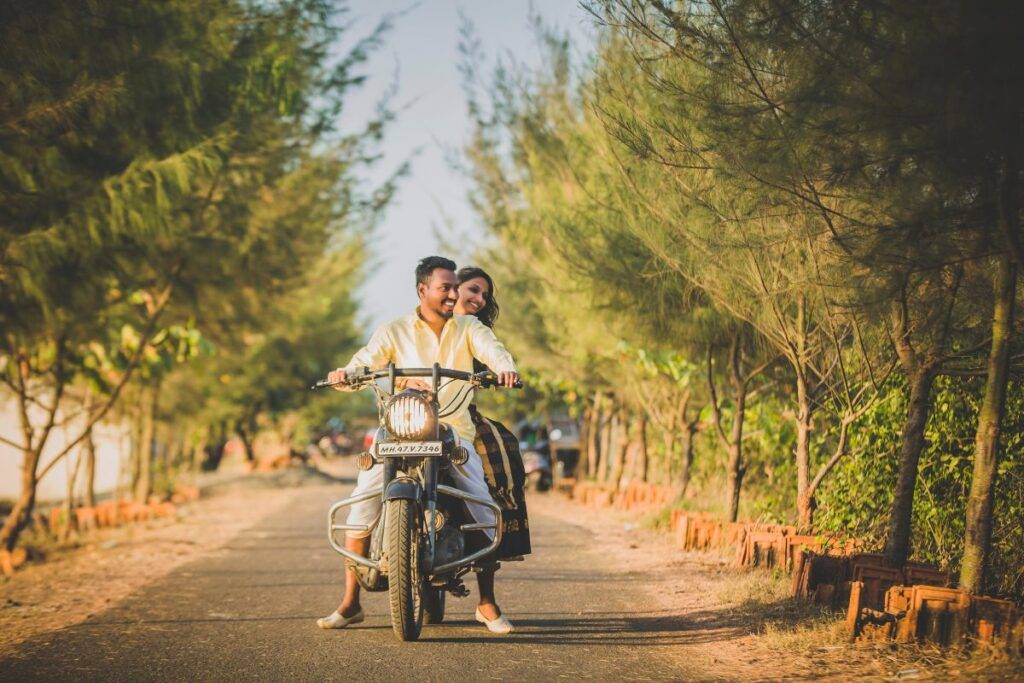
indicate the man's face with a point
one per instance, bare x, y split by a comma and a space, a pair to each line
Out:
439, 294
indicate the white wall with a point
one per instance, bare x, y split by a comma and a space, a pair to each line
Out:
111, 441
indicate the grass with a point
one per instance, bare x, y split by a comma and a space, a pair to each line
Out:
818, 637
757, 587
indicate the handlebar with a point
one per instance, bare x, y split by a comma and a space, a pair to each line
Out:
485, 379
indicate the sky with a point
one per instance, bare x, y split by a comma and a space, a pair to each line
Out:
421, 51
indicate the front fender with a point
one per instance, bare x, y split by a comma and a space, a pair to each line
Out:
403, 488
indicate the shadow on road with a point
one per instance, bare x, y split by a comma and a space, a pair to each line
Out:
646, 628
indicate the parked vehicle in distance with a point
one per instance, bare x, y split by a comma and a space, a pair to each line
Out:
565, 442
537, 465
556, 436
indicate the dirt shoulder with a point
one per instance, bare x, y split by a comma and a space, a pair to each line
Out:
74, 583
742, 625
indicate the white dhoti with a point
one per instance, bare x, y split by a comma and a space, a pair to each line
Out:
468, 477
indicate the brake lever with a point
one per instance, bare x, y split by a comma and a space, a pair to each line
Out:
492, 383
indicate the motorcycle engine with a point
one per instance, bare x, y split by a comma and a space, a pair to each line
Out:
449, 545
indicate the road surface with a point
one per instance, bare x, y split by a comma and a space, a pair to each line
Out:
248, 611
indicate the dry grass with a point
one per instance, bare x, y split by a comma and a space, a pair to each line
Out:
816, 644
754, 587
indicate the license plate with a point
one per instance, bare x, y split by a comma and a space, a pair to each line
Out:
408, 448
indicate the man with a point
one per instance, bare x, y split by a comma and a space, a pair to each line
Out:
431, 334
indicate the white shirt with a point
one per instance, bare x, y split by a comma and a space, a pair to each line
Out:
408, 342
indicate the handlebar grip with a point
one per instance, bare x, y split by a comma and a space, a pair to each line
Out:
323, 384
492, 383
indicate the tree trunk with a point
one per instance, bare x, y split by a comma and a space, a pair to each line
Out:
88, 454
167, 451
978, 532
144, 485
668, 441
247, 443
71, 472
643, 457
689, 430
603, 465
21, 512
213, 450
736, 467
897, 545
197, 451
135, 446
735, 473
594, 436
617, 450
804, 499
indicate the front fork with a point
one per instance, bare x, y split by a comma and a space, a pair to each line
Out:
430, 474
431, 489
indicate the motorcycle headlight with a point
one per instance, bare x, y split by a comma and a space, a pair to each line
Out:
410, 415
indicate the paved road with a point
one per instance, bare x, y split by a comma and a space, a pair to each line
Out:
248, 612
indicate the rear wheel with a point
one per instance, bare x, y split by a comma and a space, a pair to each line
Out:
401, 541
433, 604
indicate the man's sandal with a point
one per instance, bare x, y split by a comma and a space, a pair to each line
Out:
335, 620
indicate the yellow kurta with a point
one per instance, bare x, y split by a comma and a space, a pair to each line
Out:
408, 342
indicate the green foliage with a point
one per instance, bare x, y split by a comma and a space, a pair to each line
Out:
178, 209
856, 499
791, 183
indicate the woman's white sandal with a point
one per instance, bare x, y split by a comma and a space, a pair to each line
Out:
500, 625
335, 620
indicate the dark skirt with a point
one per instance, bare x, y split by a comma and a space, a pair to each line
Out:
503, 468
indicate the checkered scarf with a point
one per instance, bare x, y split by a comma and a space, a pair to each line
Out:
502, 461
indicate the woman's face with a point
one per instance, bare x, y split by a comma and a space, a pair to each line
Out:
473, 295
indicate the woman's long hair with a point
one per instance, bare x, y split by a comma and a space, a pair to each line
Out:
489, 313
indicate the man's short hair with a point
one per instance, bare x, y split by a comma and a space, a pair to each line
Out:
427, 266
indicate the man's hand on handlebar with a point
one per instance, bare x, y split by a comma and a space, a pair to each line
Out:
337, 379
409, 378
412, 383
508, 379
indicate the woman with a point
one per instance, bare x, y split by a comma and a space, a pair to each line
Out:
503, 463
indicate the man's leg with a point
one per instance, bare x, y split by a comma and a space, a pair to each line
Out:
350, 603
361, 513
470, 478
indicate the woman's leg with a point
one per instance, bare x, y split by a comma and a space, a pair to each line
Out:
469, 477
488, 605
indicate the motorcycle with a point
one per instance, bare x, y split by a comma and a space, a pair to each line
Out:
422, 542
538, 468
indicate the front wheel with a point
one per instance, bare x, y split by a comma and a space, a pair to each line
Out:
401, 543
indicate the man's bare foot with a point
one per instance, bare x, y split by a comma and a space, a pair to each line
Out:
489, 610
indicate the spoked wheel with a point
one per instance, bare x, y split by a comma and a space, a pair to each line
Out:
404, 587
433, 604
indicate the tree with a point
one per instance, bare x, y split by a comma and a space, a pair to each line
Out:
127, 191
